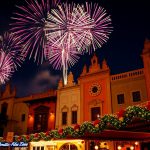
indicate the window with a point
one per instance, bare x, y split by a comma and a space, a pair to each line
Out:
68, 146
74, 117
64, 118
23, 116
38, 147
51, 147
41, 114
4, 107
95, 111
120, 98
42, 148
136, 96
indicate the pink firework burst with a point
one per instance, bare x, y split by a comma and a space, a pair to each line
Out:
61, 55
73, 23
11, 45
89, 25
64, 33
102, 25
6, 66
29, 25
55, 53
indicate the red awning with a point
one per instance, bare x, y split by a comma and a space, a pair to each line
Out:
117, 135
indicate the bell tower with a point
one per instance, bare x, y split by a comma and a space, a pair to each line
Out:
146, 62
95, 94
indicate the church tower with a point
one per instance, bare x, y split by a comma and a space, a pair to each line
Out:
146, 62
95, 98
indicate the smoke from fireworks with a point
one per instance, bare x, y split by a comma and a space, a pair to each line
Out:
29, 24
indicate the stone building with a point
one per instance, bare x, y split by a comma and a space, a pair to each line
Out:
97, 93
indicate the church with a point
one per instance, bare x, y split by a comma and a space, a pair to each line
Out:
96, 93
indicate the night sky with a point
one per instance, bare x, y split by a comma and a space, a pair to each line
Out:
131, 26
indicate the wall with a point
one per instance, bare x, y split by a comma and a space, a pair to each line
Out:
19, 109
67, 97
99, 77
51, 118
126, 83
146, 62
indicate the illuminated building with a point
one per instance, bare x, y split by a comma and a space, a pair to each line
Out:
97, 93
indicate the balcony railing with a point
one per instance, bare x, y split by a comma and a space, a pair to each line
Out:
130, 74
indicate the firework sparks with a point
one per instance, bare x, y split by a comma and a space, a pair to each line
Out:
11, 45
61, 55
88, 25
29, 24
101, 30
64, 30
67, 31
6, 66
73, 23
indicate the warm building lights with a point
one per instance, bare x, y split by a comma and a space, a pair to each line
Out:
30, 115
52, 116
119, 147
96, 147
132, 147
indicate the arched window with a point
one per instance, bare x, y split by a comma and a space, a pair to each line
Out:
64, 111
68, 146
74, 114
41, 118
4, 107
95, 109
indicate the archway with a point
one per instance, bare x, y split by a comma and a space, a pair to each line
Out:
68, 146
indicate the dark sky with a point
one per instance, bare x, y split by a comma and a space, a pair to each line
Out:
131, 23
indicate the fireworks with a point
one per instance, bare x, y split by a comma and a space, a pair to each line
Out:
60, 33
61, 55
10, 56
11, 45
101, 30
29, 24
74, 28
6, 66
69, 23
63, 31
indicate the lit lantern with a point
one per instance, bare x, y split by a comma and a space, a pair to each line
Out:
132, 147
96, 147
119, 147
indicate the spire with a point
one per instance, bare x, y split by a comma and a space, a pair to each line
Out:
60, 84
146, 46
70, 79
7, 92
94, 60
94, 64
104, 64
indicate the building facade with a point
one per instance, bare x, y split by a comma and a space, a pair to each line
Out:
97, 93
34, 113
